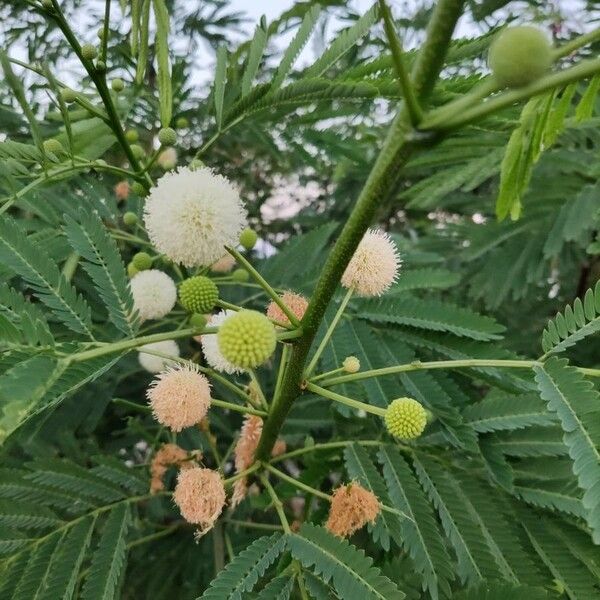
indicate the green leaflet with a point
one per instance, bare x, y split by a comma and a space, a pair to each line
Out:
495, 590
165, 93
578, 321
255, 52
103, 263
420, 536
219, 84
577, 405
242, 573
336, 560
22, 255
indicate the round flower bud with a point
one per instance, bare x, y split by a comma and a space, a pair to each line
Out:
247, 339
179, 397
182, 123
132, 136
196, 164
520, 55
132, 270
200, 496
198, 294
156, 364
351, 364
54, 146
248, 238
100, 66
130, 219
89, 52
154, 294
142, 261
47, 4
100, 32
167, 136
405, 418
240, 275
139, 189
68, 95
117, 85
374, 266
137, 151
167, 159
122, 190
198, 321
295, 302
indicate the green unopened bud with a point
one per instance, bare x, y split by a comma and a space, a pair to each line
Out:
182, 123
139, 189
132, 270
47, 4
142, 261
197, 320
196, 164
137, 151
89, 52
100, 66
53, 146
68, 95
100, 33
130, 219
248, 238
198, 294
117, 84
132, 136
167, 136
240, 275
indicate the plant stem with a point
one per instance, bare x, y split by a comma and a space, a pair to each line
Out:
285, 351
276, 503
325, 446
394, 153
265, 285
252, 525
578, 42
258, 389
326, 374
375, 410
408, 93
338, 315
238, 407
296, 483
439, 364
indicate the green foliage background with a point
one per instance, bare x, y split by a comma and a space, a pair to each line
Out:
502, 493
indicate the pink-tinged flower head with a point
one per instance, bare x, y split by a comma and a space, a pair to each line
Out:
166, 456
352, 507
200, 496
244, 454
374, 266
224, 264
122, 190
295, 302
179, 397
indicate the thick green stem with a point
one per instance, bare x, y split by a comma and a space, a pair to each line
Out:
396, 150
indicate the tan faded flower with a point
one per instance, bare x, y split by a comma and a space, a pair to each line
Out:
168, 455
352, 507
200, 496
244, 454
295, 302
224, 264
122, 190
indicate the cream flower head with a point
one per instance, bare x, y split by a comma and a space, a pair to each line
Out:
200, 496
374, 266
191, 215
154, 294
179, 397
210, 345
156, 364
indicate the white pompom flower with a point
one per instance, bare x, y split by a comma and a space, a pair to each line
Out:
156, 364
191, 215
374, 266
154, 294
210, 345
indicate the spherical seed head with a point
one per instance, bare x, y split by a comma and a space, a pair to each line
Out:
210, 345
374, 266
405, 418
137, 151
117, 84
240, 275
295, 302
167, 136
167, 159
247, 339
88, 51
520, 55
156, 364
192, 215
198, 294
182, 123
53, 146
142, 261
122, 191
200, 496
132, 136
179, 397
132, 270
154, 294
100, 66
130, 219
248, 238
351, 364
68, 95
224, 264
352, 507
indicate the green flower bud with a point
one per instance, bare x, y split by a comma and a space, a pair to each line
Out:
196, 164
248, 238
197, 320
89, 52
247, 339
142, 261
198, 294
520, 55
130, 219
132, 136
100, 66
47, 4
167, 136
137, 151
68, 95
240, 275
132, 270
117, 84
53, 146
182, 123
100, 33
405, 418
139, 189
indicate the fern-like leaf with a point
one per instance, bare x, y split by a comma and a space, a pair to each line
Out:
336, 560
255, 52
